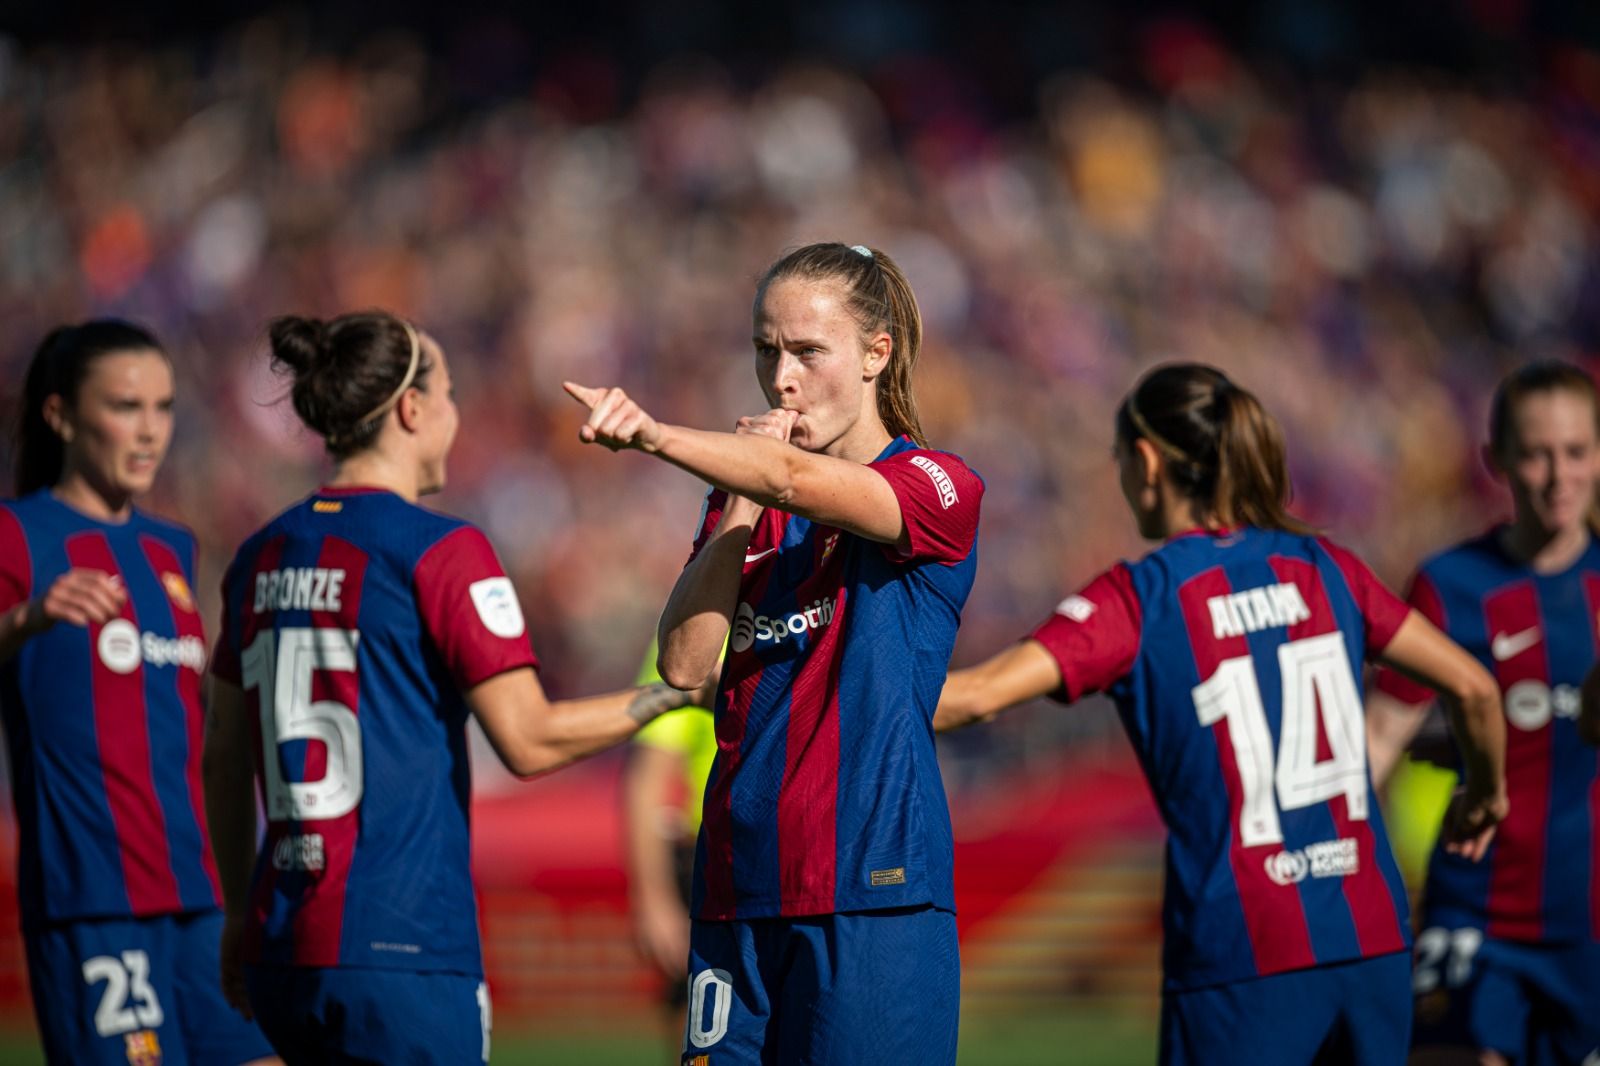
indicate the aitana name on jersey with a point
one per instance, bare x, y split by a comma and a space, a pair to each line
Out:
299, 588
1268, 607
122, 648
749, 627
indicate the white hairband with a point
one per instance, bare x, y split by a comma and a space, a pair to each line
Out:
861, 249
405, 382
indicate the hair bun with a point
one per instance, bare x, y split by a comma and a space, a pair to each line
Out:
298, 343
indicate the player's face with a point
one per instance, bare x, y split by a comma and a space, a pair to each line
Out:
438, 419
117, 429
1551, 460
810, 358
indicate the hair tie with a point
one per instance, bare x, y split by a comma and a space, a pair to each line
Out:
405, 382
1162, 444
861, 249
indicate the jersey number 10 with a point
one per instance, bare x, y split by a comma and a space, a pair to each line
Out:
1316, 676
279, 663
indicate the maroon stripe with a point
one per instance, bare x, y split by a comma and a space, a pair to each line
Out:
808, 797
1274, 916
1517, 861
186, 623
1366, 892
320, 922
122, 732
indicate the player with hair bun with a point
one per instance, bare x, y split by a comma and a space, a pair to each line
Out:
1508, 957
101, 656
834, 557
359, 631
1233, 653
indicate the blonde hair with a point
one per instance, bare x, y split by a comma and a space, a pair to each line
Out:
880, 299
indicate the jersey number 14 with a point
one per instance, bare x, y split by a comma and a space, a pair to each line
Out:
279, 663
1316, 677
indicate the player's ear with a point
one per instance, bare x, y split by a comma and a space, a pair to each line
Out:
878, 352
1150, 463
55, 416
409, 409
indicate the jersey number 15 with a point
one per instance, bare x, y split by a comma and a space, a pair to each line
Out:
1316, 676
279, 663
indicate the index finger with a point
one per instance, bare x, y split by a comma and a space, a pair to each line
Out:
583, 393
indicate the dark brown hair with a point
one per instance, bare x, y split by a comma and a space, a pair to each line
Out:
1544, 375
59, 366
345, 370
1223, 449
880, 298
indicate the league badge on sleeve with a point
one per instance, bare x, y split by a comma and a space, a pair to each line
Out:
498, 609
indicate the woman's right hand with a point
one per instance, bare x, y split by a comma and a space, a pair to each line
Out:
80, 596
776, 423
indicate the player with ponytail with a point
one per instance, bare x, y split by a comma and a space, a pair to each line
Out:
1234, 655
101, 655
834, 557
365, 623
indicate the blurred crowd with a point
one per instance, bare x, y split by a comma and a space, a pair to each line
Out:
1367, 255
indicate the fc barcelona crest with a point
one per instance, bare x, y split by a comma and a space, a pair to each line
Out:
178, 590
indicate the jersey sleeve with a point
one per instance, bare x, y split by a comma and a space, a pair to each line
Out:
1382, 611
1094, 634
716, 502
1423, 596
939, 496
470, 609
16, 566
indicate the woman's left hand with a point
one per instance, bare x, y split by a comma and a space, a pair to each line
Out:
614, 420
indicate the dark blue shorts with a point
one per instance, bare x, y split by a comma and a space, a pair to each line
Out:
1350, 1013
872, 988
138, 991
356, 1015
1533, 1003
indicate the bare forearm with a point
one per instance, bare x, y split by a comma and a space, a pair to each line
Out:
1479, 725
645, 786
572, 729
694, 623
17, 625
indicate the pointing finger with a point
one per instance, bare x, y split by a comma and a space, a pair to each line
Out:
583, 393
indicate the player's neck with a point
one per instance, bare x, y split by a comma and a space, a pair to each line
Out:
76, 492
865, 441
372, 469
1545, 552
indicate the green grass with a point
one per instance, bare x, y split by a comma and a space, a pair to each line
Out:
1073, 1035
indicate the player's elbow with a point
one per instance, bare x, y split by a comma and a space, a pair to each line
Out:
1476, 692
683, 671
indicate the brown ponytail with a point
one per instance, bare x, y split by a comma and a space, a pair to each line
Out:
881, 300
1223, 449
1544, 375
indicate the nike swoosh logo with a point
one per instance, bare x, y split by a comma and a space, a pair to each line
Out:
758, 556
1509, 646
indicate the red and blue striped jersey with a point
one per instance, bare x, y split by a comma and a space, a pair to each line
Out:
354, 622
1234, 660
825, 795
104, 723
1538, 634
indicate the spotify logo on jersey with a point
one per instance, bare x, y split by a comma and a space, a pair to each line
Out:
119, 646
749, 627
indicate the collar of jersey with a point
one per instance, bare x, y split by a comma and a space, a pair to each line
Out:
352, 490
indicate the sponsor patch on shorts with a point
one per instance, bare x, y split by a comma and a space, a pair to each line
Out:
895, 876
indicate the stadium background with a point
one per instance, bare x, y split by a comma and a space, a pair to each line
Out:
1365, 212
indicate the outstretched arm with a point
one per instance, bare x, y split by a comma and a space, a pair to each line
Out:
534, 736
79, 597
768, 472
1020, 673
1472, 702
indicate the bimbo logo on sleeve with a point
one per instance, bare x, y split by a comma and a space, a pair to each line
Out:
941, 480
749, 627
